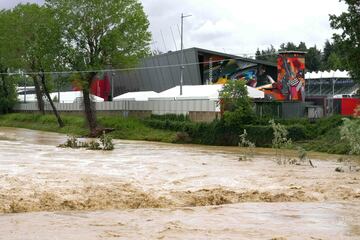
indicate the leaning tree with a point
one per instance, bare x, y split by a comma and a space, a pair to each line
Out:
99, 33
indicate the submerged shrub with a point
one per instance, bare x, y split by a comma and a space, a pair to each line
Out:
280, 139
71, 142
106, 141
245, 143
93, 145
104, 144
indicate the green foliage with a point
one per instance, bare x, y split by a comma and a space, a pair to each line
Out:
269, 54
348, 40
244, 142
106, 141
125, 128
280, 139
237, 104
7, 50
39, 38
73, 142
8, 96
350, 132
302, 154
330, 58
313, 59
280, 142
248, 145
322, 135
260, 135
96, 34
100, 33
93, 145
298, 132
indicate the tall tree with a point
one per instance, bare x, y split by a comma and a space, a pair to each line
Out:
313, 56
7, 49
270, 54
349, 40
99, 33
313, 59
40, 47
332, 57
328, 50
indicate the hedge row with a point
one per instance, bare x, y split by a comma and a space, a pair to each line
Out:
217, 133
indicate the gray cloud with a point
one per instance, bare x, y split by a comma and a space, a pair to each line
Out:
238, 26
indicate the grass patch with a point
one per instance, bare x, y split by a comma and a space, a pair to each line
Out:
125, 128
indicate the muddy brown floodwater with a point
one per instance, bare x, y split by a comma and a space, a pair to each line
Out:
145, 190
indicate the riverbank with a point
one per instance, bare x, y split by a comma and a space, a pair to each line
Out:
321, 136
125, 128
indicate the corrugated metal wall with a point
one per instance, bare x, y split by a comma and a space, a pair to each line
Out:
156, 107
159, 79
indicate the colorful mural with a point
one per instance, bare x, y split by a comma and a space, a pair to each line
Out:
291, 76
218, 70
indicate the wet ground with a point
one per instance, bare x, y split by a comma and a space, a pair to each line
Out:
159, 191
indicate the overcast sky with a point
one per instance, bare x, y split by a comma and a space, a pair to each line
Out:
236, 26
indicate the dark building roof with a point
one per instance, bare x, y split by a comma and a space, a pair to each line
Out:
160, 72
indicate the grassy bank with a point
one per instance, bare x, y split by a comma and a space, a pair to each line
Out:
125, 128
320, 136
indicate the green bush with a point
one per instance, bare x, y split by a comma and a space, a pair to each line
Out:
298, 132
261, 135
172, 117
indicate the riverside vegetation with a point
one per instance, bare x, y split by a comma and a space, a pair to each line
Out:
104, 143
324, 135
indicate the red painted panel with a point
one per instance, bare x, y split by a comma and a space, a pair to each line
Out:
101, 87
348, 106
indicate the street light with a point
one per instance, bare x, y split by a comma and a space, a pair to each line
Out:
182, 53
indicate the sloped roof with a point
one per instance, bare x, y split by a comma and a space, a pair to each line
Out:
136, 96
65, 97
191, 92
327, 74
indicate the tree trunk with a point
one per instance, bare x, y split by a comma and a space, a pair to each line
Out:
39, 95
56, 113
5, 90
89, 107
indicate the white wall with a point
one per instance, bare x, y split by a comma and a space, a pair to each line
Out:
158, 107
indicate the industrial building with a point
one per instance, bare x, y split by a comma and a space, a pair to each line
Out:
162, 72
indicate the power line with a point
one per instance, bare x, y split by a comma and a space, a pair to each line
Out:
130, 69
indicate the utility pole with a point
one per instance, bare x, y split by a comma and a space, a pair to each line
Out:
25, 89
182, 53
112, 85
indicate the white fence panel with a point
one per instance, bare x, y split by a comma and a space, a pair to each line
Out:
159, 107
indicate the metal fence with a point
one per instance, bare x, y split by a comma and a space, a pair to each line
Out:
159, 107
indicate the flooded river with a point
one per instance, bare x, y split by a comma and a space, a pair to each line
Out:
145, 190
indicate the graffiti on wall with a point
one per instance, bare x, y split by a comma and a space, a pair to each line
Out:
218, 70
291, 72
